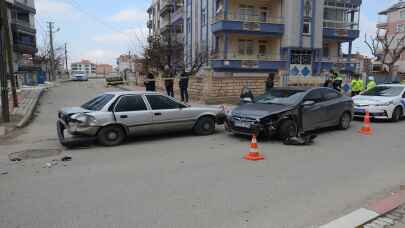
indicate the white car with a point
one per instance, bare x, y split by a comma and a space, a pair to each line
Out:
382, 102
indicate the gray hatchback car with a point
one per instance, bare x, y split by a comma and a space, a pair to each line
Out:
110, 117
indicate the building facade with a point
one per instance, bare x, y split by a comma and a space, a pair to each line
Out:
393, 23
21, 15
104, 69
85, 66
246, 40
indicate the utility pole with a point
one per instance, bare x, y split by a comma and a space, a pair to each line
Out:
66, 59
3, 64
9, 53
52, 51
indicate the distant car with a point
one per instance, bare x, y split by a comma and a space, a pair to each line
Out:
286, 112
382, 102
114, 80
111, 117
79, 76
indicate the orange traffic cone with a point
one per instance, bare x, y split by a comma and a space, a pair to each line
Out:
254, 154
366, 129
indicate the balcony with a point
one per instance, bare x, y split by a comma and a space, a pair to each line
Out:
178, 14
236, 62
22, 26
25, 48
149, 24
166, 6
340, 30
251, 24
382, 24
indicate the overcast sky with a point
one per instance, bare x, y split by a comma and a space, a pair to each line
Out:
100, 30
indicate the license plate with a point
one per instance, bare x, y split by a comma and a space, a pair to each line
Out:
242, 124
359, 110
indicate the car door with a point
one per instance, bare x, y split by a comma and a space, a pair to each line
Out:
313, 116
334, 106
132, 112
168, 114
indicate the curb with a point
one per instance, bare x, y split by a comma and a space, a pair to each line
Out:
27, 117
372, 211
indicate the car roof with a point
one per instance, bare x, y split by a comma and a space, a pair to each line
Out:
393, 85
120, 93
294, 88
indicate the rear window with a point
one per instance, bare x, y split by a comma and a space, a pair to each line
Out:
97, 103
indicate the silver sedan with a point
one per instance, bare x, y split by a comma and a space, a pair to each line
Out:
110, 117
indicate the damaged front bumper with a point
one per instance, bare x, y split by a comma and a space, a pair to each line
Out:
72, 137
234, 127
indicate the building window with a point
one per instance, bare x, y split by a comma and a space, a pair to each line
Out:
262, 48
246, 47
263, 14
307, 8
400, 28
402, 14
246, 12
325, 51
306, 30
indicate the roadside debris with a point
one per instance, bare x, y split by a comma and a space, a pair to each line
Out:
303, 140
66, 158
3, 172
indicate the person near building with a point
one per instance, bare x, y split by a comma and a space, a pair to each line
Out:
270, 82
183, 84
337, 80
357, 85
169, 84
246, 95
149, 83
371, 83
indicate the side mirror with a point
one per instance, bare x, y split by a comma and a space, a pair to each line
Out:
308, 103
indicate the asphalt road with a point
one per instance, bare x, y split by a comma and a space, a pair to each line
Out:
181, 180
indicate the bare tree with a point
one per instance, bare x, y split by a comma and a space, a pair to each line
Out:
156, 58
387, 48
43, 58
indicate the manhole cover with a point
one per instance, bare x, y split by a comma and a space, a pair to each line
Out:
33, 154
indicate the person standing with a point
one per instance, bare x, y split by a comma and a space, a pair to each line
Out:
357, 85
371, 83
169, 84
270, 82
183, 84
149, 83
337, 80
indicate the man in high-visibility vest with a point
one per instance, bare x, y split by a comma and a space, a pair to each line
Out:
357, 85
337, 80
371, 83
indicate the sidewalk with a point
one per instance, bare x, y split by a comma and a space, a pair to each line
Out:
28, 98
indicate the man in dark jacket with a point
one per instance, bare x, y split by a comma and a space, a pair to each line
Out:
150, 83
169, 84
183, 84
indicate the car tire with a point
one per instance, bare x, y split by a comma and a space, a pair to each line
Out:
111, 136
397, 114
205, 126
288, 128
345, 121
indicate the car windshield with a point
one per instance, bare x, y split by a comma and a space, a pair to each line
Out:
284, 97
97, 103
384, 91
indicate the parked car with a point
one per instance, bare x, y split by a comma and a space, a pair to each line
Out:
382, 102
111, 117
79, 76
114, 79
287, 112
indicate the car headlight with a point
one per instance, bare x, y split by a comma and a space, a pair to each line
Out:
385, 104
84, 120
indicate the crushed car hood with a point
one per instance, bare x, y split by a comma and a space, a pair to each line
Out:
73, 110
260, 110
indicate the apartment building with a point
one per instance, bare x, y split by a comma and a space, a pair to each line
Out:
84, 65
246, 40
21, 15
104, 69
393, 22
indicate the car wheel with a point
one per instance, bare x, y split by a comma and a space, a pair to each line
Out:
397, 114
205, 126
345, 121
111, 136
287, 129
